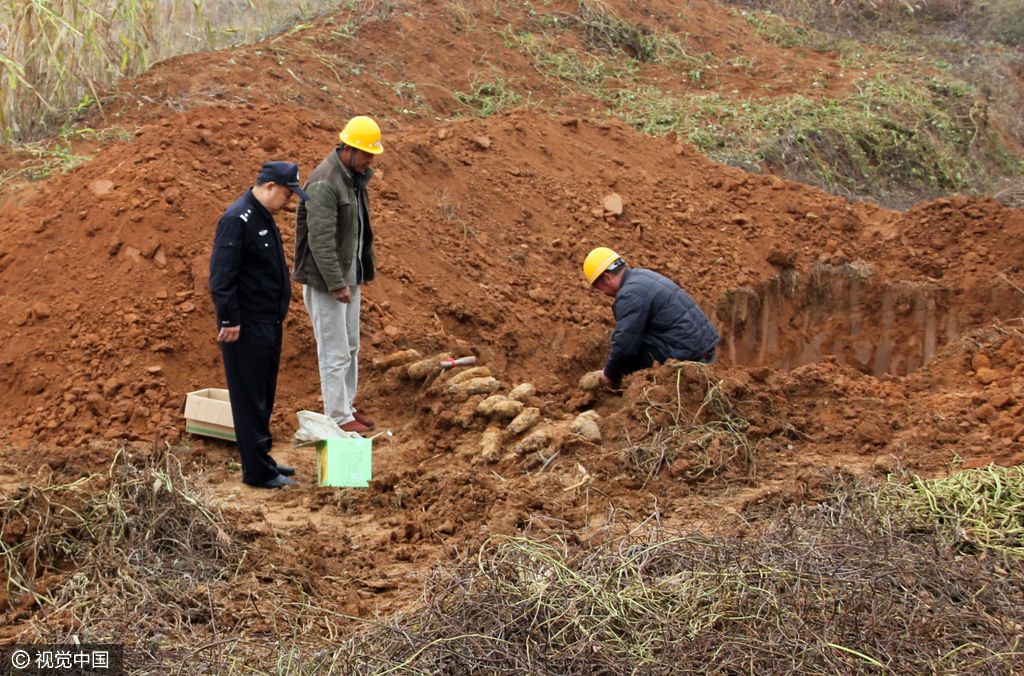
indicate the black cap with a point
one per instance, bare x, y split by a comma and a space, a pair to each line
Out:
282, 173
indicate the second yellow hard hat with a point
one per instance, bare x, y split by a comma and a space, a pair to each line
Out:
363, 133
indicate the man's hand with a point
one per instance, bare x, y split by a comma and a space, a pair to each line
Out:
229, 334
593, 380
607, 382
344, 294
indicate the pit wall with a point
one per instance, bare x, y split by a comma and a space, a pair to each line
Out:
846, 313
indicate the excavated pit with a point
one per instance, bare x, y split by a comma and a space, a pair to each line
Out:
846, 313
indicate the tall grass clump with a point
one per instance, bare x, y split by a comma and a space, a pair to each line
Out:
56, 55
849, 586
610, 49
603, 29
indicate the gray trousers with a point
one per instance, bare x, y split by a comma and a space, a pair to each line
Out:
336, 329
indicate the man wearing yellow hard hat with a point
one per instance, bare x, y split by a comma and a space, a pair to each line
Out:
333, 258
655, 320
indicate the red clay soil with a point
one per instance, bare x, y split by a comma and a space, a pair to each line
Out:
855, 338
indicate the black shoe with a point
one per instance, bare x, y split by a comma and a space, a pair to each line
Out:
285, 470
277, 482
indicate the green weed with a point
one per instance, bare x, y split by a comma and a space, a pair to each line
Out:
489, 97
410, 101
580, 68
346, 30
975, 509
788, 34
49, 157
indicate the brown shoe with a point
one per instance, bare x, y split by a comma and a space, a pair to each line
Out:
355, 426
365, 419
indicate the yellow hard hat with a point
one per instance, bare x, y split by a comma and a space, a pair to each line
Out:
597, 261
363, 133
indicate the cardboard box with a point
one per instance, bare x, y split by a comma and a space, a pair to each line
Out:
345, 462
208, 413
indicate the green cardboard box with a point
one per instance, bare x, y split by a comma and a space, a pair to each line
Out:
345, 462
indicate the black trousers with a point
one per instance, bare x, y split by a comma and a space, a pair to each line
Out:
251, 365
645, 360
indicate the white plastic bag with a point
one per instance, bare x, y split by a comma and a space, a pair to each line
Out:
315, 427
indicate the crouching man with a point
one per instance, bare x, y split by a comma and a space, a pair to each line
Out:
655, 320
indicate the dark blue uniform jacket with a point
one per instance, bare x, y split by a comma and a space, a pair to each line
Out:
249, 279
654, 316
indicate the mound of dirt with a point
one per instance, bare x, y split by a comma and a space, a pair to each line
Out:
481, 224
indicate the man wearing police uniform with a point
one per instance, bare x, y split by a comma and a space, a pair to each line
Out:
250, 285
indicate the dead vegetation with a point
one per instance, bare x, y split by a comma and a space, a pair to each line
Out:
912, 577
130, 552
136, 556
849, 586
695, 442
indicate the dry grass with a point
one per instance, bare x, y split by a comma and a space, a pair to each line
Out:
136, 556
113, 555
693, 428
846, 587
890, 580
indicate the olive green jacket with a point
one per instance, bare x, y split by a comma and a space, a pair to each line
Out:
333, 245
